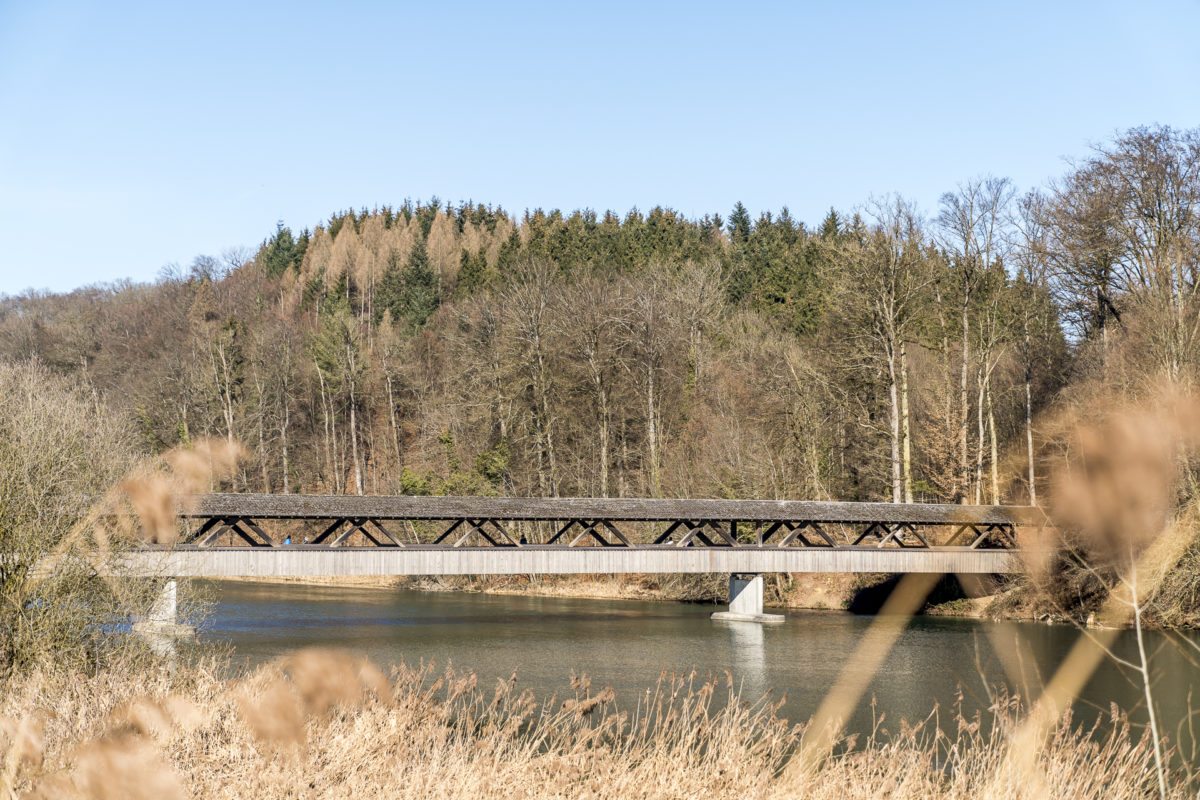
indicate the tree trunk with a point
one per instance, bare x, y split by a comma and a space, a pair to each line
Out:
547, 469
224, 379
1029, 436
947, 396
905, 426
551, 455
604, 435
371, 465
995, 455
652, 430
979, 436
339, 454
602, 402
395, 427
894, 425
283, 443
964, 400
328, 443
623, 464
262, 450
358, 477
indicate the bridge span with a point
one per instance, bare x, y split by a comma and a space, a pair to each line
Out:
259, 535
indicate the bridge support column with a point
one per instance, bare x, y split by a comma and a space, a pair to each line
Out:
746, 600
161, 627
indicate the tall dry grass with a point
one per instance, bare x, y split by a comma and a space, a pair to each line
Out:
332, 725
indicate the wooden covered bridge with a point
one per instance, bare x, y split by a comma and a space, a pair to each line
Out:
246, 535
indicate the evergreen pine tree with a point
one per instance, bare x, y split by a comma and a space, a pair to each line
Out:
410, 292
314, 291
472, 272
301, 249
342, 291
857, 229
421, 292
509, 252
279, 253
390, 289
831, 226
739, 225
335, 225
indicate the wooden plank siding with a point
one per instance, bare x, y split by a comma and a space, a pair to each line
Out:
540, 560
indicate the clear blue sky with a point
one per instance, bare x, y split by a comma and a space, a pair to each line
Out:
133, 136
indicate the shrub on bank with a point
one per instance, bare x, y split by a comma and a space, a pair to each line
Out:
59, 450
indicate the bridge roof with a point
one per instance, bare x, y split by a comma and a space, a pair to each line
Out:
278, 506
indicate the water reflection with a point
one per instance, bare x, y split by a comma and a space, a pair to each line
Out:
628, 644
748, 653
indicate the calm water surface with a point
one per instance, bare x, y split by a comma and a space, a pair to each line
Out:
627, 644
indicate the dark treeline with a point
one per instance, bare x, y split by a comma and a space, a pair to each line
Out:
878, 355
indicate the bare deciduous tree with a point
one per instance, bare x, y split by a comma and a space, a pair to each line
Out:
970, 223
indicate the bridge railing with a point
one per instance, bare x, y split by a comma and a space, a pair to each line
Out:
456, 522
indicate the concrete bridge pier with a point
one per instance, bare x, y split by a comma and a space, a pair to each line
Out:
161, 628
746, 600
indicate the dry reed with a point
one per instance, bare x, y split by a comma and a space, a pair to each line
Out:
331, 725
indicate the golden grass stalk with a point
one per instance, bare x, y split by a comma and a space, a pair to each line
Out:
827, 724
424, 733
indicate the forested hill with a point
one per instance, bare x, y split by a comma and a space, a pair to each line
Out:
433, 348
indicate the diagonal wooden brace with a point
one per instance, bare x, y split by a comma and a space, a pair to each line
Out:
266, 540
674, 526
770, 531
816, 526
616, 532
722, 532
870, 531
796, 534
477, 526
589, 529
446, 534
694, 533
912, 531
563, 530
395, 540
244, 529
329, 531
513, 542
959, 532
208, 525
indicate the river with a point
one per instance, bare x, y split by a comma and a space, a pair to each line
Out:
627, 644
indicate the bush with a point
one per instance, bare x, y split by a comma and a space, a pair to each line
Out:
59, 450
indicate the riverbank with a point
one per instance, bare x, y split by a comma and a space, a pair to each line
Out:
860, 593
